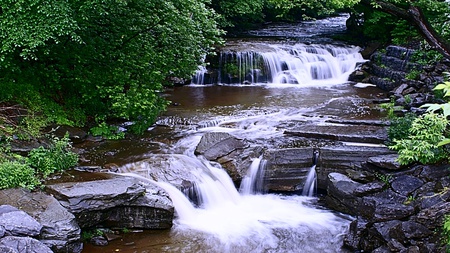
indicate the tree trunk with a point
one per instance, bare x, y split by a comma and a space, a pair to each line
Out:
415, 16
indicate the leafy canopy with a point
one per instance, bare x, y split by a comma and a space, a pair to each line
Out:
105, 58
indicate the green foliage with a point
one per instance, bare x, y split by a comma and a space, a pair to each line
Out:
27, 172
105, 59
57, 157
17, 174
399, 127
107, 131
87, 235
413, 74
446, 231
426, 132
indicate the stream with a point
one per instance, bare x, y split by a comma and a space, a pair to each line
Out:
271, 81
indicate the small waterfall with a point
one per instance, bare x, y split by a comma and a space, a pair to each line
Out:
199, 77
287, 64
310, 186
253, 182
228, 222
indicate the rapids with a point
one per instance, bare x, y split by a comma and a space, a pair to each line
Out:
260, 90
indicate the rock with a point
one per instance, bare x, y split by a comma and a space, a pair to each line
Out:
341, 195
180, 171
89, 200
406, 184
287, 168
16, 244
154, 210
99, 241
369, 188
96, 195
18, 223
214, 145
388, 161
60, 230
384, 228
409, 230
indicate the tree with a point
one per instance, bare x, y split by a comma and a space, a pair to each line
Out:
419, 13
105, 58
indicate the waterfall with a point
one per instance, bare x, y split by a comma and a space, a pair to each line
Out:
310, 186
287, 64
227, 221
253, 182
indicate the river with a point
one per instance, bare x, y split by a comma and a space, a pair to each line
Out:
282, 75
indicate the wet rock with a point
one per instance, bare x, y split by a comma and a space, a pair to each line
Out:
179, 170
154, 210
360, 176
341, 193
369, 188
384, 228
96, 195
406, 184
216, 144
16, 244
287, 168
99, 241
89, 200
59, 228
409, 230
349, 133
433, 217
18, 223
388, 161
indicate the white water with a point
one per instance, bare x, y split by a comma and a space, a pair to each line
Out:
297, 64
231, 222
309, 188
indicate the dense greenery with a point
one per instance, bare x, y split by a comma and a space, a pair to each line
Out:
28, 172
97, 60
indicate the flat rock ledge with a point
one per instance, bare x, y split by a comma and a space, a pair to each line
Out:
51, 221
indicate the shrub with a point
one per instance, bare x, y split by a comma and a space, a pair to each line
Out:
400, 126
17, 174
57, 157
422, 144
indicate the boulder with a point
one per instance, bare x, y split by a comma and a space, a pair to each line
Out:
18, 223
180, 171
120, 201
388, 161
214, 145
341, 193
15, 244
154, 210
60, 230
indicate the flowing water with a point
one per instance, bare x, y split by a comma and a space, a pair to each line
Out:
261, 89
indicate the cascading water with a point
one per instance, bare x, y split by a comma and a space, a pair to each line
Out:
227, 221
310, 186
254, 182
292, 64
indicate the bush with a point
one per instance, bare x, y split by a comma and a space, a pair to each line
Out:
400, 126
57, 157
17, 174
422, 143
